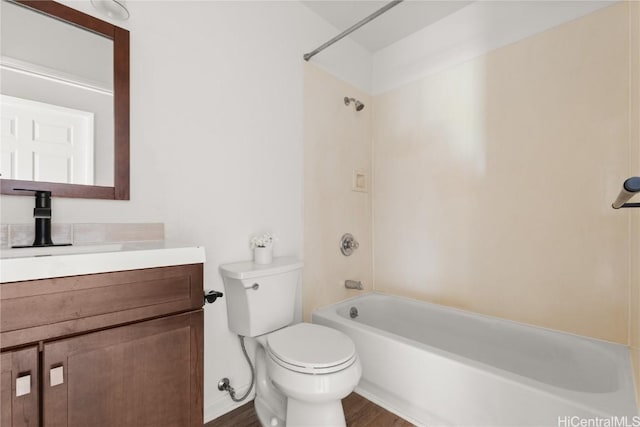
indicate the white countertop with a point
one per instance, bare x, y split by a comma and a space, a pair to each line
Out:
43, 263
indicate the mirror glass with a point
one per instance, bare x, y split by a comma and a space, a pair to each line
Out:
65, 102
57, 100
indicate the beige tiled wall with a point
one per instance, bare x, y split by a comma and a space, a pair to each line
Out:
4, 235
23, 234
337, 140
83, 234
97, 233
494, 181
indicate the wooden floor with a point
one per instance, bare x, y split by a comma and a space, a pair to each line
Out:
358, 411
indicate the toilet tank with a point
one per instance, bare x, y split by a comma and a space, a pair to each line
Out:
260, 298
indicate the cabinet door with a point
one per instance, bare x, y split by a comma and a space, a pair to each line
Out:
143, 374
19, 388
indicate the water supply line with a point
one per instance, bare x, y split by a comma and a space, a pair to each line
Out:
225, 385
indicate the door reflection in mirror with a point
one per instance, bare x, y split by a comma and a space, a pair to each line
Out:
48, 63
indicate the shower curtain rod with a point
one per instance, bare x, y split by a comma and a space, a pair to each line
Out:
374, 15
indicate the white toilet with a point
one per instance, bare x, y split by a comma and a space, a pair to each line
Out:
302, 370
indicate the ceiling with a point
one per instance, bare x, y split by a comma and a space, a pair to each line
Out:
395, 24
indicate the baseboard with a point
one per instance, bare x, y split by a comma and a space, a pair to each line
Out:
223, 405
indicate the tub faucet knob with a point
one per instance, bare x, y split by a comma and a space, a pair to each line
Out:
348, 244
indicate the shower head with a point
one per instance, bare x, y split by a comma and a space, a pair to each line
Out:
359, 105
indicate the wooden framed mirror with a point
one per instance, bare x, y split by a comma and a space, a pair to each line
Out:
115, 185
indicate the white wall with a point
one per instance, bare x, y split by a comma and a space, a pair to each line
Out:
216, 140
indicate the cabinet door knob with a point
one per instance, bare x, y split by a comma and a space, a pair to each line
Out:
56, 376
23, 385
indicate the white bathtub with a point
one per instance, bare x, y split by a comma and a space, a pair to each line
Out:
436, 365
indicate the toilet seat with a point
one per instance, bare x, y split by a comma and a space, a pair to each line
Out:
311, 349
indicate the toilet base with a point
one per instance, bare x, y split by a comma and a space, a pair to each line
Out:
305, 414
266, 415
270, 404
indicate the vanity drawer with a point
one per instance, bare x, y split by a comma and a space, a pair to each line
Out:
43, 309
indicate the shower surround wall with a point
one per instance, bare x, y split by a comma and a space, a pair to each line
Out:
508, 164
337, 140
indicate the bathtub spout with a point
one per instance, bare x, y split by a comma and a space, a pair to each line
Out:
353, 284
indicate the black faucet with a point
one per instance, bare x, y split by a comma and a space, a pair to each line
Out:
42, 214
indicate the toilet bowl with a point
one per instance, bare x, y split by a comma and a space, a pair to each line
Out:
302, 370
315, 367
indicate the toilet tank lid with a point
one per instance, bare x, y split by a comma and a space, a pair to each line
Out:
249, 270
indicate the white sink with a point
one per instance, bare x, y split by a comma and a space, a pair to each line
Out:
22, 264
58, 250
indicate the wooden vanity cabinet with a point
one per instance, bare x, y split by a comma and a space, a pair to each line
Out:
140, 365
19, 394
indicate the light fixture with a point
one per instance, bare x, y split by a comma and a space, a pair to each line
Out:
116, 9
